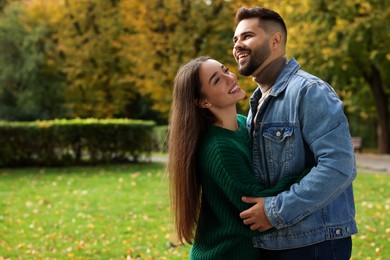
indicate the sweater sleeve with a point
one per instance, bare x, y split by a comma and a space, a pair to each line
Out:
226, 169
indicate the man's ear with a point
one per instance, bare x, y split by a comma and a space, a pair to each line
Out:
203, 103
276, 39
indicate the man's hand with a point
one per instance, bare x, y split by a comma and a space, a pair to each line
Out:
255, 216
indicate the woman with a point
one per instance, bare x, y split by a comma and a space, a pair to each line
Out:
210, 163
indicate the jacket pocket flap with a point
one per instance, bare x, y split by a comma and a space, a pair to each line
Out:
278, 133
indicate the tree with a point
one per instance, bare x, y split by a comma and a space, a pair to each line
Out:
168, 33
89, 54
4, 3
29, 87
88, 38
346, 43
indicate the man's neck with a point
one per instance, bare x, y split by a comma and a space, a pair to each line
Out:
267, 77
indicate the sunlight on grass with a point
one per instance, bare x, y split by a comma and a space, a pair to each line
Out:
122, 212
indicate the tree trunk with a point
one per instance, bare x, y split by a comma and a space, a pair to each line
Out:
381, 103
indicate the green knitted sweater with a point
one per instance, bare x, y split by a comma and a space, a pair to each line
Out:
226, 174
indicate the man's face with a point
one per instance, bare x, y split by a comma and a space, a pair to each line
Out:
251, 47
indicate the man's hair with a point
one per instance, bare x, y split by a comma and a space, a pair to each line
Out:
263, 14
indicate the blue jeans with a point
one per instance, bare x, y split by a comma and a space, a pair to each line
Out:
338, 249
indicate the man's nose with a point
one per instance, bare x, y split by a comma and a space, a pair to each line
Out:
237, 46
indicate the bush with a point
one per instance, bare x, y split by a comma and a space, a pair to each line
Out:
160, 139
65, 142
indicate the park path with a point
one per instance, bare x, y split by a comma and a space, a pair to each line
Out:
378, 163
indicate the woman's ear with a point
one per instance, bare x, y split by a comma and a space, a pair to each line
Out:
203, 103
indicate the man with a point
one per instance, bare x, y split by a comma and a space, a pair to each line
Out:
297, 122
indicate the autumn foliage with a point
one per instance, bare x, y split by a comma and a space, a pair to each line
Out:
118, 58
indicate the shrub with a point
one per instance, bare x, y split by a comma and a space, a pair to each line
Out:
76, 141
160, 139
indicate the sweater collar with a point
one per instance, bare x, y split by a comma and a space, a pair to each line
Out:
267, 77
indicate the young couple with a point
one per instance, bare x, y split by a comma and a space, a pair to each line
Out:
274, 185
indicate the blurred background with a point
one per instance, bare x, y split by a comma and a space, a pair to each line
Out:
117, 58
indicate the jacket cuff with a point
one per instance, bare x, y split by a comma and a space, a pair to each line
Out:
271, 211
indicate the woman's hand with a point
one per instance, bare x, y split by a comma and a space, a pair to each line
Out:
255, 216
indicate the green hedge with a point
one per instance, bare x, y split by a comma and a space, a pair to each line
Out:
65, 142
160, 139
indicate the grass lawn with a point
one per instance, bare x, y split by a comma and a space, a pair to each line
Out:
122, 212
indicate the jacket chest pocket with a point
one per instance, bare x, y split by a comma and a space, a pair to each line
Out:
278, 142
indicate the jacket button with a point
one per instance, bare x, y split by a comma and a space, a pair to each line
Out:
347, 229
278, 133
338, 231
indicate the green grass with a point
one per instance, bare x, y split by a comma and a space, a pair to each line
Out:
104, 212
372, 197
122, 211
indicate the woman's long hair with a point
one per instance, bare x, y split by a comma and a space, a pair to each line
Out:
187, 123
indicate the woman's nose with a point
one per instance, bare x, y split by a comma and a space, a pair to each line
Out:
231, 77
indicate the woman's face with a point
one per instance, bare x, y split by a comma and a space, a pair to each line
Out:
218, 86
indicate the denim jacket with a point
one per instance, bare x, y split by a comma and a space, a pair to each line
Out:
301, 125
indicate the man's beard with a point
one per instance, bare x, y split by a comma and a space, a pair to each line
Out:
256, 59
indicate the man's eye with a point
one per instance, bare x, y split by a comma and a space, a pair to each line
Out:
226, 71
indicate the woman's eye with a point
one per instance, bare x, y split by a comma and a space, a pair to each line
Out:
226, 71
